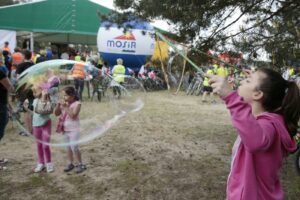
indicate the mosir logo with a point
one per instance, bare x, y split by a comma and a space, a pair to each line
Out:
126, 42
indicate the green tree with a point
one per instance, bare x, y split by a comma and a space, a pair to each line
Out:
272, 25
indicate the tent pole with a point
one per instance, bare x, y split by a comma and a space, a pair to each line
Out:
31, 41
183, 70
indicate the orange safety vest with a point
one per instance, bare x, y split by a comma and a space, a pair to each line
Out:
33, 57
6, 49
78, 71
17, 58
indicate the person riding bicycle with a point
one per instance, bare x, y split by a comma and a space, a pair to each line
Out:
118, 72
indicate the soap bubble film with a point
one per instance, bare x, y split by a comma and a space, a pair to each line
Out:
105, 100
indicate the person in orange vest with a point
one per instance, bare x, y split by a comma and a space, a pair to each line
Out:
17, 58
6, 48
79, 73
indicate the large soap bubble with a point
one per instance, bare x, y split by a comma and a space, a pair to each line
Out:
108, 101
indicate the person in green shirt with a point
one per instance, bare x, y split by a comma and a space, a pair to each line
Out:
207, 89
222, 70
118, 72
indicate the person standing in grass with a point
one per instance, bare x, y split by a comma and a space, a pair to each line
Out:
69, 110
41, 127
79, 73
5, 87
265, 110
118, 72
207, 89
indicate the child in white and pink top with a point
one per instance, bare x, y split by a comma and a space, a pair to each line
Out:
69, 110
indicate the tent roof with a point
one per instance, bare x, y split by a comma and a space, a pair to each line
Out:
53, 16
61, 21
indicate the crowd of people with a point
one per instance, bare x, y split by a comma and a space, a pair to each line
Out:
41, 101
235, 74
264, 109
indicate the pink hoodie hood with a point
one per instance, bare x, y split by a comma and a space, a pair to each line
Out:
288, 143
263, 142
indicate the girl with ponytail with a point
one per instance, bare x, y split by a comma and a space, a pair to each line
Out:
265, 110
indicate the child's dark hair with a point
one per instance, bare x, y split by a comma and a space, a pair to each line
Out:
70, 91
282, 97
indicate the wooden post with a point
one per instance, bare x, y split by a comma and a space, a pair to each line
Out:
182, 74
162, 64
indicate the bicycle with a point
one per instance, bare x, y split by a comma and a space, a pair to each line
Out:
196, 85
100, 85
152, 84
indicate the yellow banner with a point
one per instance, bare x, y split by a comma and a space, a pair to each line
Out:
164, 51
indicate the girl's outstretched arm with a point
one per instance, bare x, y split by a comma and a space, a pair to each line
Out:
256, 134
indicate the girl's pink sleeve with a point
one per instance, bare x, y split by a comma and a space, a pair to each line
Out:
256, 134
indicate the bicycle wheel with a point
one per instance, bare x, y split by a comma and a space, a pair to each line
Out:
297, 161
189, 89
199, 89
148, 85
193, 89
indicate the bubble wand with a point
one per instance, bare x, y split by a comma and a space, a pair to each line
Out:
186, 58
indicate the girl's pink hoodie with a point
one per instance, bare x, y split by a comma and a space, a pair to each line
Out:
262, 144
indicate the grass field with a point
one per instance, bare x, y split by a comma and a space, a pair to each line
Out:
175, 148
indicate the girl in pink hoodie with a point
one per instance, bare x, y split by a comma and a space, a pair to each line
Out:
265, 110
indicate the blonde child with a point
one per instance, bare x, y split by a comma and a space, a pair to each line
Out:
69, 109
41, 126
265, 111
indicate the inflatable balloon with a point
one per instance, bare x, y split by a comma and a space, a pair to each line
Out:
134, 42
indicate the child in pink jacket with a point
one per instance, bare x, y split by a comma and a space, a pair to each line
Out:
265, 111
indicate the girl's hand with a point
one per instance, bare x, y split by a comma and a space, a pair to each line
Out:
219, 84
64, 104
